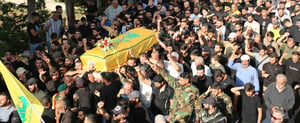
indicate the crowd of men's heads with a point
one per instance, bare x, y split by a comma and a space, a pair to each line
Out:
204, 33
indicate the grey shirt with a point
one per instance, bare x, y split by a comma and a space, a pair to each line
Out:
285, 99
5, 113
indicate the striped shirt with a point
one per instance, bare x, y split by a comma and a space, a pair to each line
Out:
56, 26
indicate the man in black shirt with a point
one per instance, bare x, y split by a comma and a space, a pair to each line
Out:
251, 104
270, 70
109, 93
162, 96
292, 68
34, 30
201, 81
292, 29
226, 82
91, 12
151, 7
48, 114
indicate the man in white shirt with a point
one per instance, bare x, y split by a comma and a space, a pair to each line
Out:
196, 14
6, 108
252, 23
199, 61
220, 28
282, 16
112, 10
53, 25
172, 66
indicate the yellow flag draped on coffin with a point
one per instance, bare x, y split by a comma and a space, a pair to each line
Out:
28, 106
137, 40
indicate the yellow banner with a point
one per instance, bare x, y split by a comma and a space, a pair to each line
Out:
137, 40
28, 106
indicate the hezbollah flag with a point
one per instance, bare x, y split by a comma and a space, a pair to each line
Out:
137, 40
28, 106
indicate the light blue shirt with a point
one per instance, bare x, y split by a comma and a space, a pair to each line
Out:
5, 113
243, 75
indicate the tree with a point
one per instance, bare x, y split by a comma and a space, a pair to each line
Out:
30, 7
70, 11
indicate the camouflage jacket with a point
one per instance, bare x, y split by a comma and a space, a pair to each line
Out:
224, 103
186, 99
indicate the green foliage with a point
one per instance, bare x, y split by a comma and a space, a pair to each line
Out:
78, 3
13, 23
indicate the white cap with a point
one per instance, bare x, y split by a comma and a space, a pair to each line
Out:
97, 75
232, 35
245, 57
20, 70
175, 54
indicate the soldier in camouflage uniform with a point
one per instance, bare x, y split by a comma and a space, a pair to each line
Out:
186, 97
224, 102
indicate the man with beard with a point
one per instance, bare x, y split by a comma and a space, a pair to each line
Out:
6, 108
185, 94
195, 14
226, 81
62, 112
252, 23
69, 62
22, 74
292, 68
222, 31
279, 96
211, 114
162, 93
201, 81
223, 101
296, 14
244, 71
293, 30
270, 70
33, 88
54, 82
177, 12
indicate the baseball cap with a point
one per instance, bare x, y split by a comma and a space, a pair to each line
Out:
235, 16
70, 58
209, 100
245, 57
27, 53
275, 22
134, 94
232, 35
21, 70
118, 110
175, 54
62, 87
97, 75
56, 54
31, 81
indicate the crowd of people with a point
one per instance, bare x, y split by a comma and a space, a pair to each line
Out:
216, 61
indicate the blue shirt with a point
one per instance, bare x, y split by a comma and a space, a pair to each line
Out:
5, 113
243, 75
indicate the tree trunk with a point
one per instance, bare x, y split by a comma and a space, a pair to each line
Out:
101, 4
30, 8
70, 11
